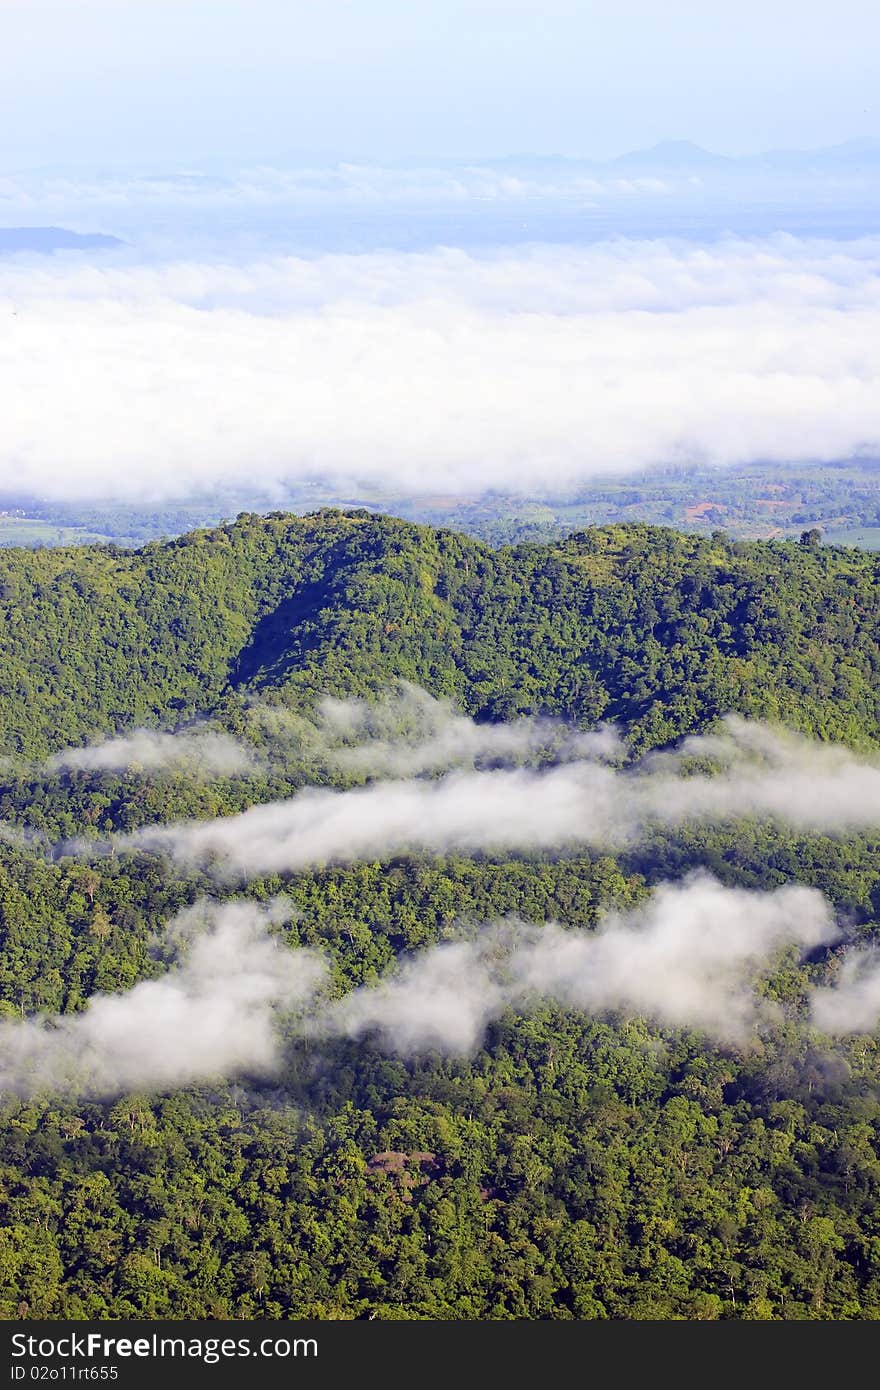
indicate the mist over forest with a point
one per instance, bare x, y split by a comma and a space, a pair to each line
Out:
439, 664
496, 921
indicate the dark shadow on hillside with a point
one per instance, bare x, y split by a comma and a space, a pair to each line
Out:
280, 639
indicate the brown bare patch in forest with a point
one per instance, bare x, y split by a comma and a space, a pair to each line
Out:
698, 510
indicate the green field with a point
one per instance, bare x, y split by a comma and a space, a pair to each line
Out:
30, 531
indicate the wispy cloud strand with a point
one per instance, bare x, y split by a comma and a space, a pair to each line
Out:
409, 732
199, 752
761, 773
852, 1003
212, 1014
690, 956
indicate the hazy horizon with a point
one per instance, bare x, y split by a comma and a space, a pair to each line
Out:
408, 79
216, 164
312, 283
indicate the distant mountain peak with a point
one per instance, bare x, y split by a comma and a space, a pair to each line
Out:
44, 240
671, 154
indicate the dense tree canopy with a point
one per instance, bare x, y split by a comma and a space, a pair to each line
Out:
658, 630
574, 1167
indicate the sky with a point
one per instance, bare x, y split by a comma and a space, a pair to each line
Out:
97, 83
333, 265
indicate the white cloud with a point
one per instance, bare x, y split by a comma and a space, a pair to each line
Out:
212, 1014
688, 957
764, 773
534, 368
338, 188
409, 732
199, 752
852, 1003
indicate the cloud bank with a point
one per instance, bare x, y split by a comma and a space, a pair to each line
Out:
531, 368
213, 1013
200, 752
690, 956
337, 188
757, 772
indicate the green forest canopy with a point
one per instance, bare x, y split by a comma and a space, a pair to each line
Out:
574, 1167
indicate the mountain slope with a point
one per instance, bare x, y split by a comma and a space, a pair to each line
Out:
657, 630
591, 1161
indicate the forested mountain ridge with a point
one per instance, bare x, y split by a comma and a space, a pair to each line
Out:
659, 631
576, 1162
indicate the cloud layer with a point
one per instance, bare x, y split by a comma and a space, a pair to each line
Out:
757, 772
212, 1014
199, 752
690, 956
530, 368
337, 188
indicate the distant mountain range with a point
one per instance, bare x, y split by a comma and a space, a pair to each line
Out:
47, 239
673, 154
851, 156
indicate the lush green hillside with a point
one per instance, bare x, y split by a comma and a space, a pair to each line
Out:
657, 630
574, 1166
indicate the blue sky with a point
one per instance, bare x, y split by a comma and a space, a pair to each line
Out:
220, 82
